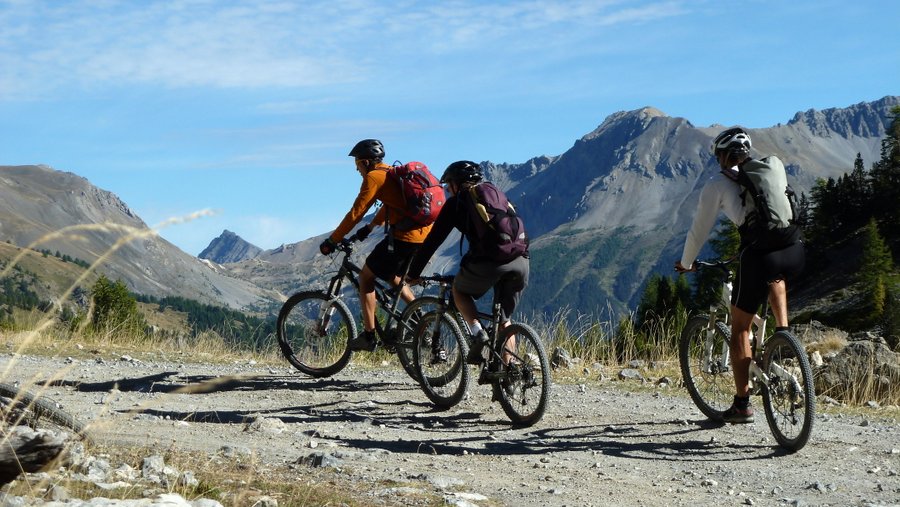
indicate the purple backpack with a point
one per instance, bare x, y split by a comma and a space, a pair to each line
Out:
498, 231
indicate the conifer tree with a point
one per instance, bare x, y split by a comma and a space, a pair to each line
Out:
885, 182
114, 307
875, 270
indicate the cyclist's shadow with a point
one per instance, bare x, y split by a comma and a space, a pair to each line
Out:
630, 441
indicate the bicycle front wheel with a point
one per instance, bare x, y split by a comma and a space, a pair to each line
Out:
703, 354
790, 398
409, 321
439, 355
313, 330
523, 386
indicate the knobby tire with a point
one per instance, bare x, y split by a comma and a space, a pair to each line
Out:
524, 388
444, 382
789, 400
313, 330
409, 320
710, 385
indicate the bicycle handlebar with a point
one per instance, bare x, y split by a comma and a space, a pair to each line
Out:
720, 264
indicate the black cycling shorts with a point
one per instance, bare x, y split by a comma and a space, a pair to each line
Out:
508, 280
757, 269
385, 264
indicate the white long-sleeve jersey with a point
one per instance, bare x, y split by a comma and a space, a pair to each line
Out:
720, 193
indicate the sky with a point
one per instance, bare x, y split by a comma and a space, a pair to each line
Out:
246, 110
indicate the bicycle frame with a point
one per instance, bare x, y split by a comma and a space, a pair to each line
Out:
490, 321
385, 296
720, 310
445, 296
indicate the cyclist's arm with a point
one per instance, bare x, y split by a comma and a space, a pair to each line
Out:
361, 205
380, 217
442, 228
704, 219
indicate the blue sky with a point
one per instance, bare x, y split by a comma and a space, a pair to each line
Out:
249, 108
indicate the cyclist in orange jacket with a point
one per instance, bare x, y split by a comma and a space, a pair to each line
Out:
392, 254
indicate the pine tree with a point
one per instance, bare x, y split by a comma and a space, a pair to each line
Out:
805, 213
857, 192
114, 307
885, 182
875, 270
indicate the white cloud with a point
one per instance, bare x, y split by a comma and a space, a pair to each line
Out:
249, 44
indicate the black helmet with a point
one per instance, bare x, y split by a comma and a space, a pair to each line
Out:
463, 171
733, 140
368, 149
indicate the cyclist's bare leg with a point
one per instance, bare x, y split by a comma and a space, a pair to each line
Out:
778, 302
367, 297
466, 306
406, 294
740, 349
510, 345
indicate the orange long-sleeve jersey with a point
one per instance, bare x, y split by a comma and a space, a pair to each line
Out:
376, 186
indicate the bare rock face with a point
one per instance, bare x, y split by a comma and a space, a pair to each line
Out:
46, 209
865, 366
229, 247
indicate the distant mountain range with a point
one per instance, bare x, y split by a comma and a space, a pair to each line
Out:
615, 208
603, 216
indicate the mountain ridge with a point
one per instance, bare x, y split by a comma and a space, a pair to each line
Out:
621, 199
603, 216
43, 208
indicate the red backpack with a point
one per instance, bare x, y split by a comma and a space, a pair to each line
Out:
422, 193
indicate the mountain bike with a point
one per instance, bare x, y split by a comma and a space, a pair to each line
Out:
314, 326
516, 365
779, 369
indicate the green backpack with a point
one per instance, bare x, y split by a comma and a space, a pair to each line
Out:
772, 203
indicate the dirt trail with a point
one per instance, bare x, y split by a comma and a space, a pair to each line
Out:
598, 444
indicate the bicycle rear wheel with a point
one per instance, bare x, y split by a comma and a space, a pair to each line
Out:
439, 356
39, 412
523, 386
703, 354
790, 398
313, 331
409, 321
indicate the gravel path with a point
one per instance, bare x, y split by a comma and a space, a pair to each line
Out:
600, 443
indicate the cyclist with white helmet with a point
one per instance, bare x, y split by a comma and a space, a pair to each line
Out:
762, 271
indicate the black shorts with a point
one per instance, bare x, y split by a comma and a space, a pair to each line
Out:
758, 269
386, 265
508, 280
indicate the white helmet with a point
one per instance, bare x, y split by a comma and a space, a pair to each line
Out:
733, 140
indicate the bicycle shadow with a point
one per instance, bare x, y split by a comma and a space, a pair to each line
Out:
627, 441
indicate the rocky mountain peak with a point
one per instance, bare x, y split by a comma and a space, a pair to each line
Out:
635, 122
229, 247
866, 119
